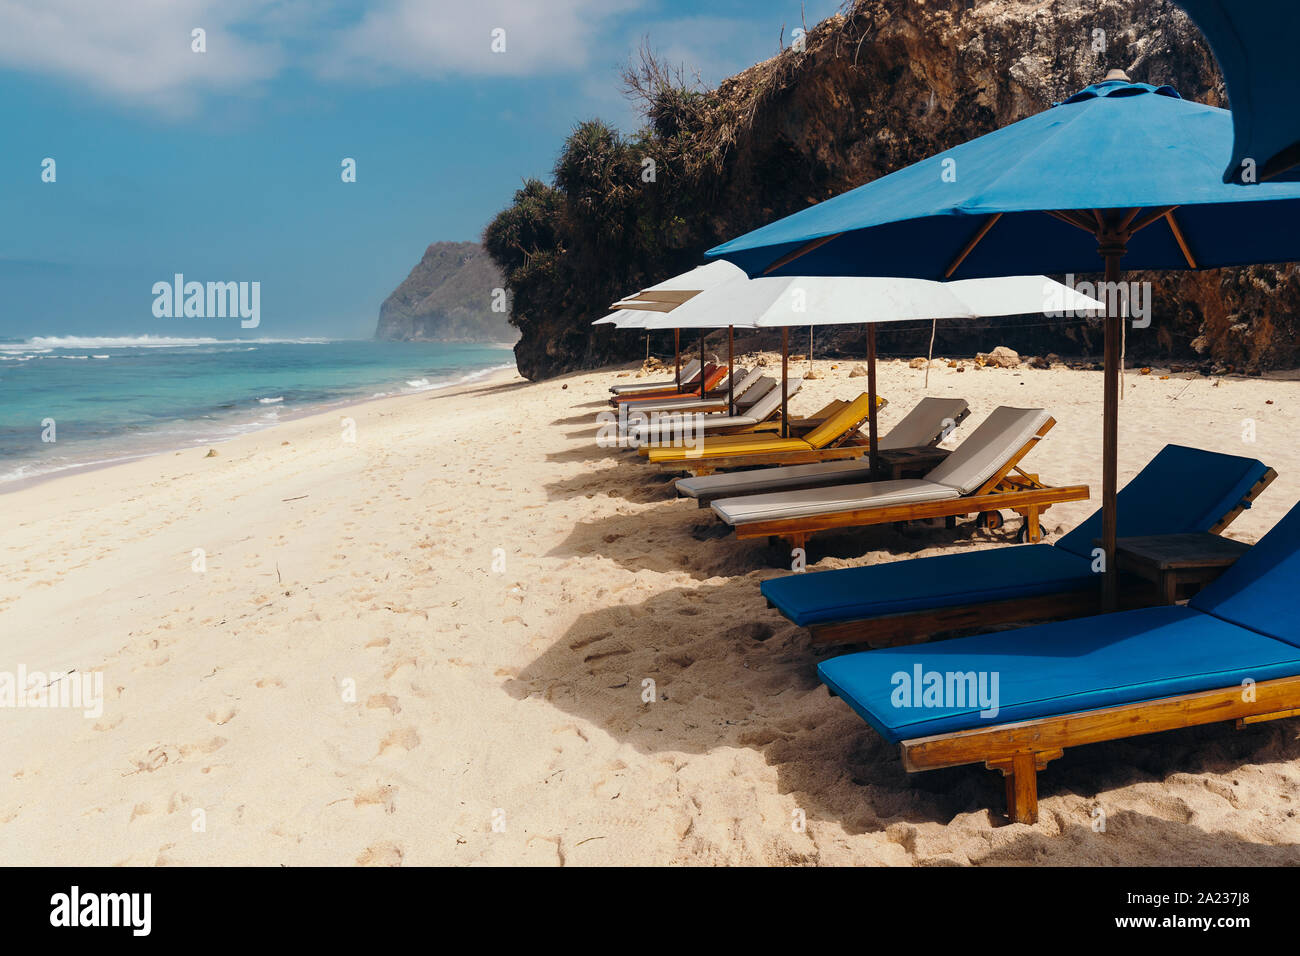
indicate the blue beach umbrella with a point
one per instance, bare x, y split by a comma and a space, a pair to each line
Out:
1254, 43
1120, 176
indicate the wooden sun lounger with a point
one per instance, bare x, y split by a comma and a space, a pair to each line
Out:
919, 429
1232, 653
1009, 489
1018, 751
687, 372
1008, 586
846, 442
714, 378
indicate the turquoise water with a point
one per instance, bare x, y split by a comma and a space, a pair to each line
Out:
115, 399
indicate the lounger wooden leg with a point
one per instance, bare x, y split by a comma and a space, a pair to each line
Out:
1021, 773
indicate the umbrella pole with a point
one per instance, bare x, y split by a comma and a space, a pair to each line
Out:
731, 368
677, 357
1112, 248
785, 392
873, 436
701, 363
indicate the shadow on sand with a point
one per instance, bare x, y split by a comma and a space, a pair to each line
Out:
839, 770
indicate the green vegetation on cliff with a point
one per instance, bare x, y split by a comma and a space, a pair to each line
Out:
885, 84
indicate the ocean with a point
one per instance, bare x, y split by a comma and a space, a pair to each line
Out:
105, 400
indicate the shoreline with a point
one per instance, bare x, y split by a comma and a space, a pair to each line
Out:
290, 415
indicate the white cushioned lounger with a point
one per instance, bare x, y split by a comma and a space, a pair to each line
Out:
973, 463
687, 403
689, 369
918, 428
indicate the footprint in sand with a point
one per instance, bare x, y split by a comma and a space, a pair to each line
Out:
222, 715
406, 739
379, 701
384, 796
381, 854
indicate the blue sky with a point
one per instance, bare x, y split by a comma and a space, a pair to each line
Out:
225, 165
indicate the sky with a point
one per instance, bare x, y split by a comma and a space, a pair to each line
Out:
226, 164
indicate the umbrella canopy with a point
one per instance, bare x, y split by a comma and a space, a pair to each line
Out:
850, 300
845, 300
1119, 175
625, 319
662, 298
1025, 198
1254, 43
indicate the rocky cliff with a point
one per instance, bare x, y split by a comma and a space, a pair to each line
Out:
884, 84
448, 297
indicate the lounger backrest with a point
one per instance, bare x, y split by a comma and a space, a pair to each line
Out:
840, 422
745, 380
766, 406
716, 378
1259, 592
756, 392
987, 450
924, 424
1182, 490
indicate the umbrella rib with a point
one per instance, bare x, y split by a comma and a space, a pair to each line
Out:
1149, 218
803, 250
1073, 218
970, 246
1181, 239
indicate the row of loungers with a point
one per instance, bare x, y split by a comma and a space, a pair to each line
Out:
1080, 679
758, 403
1231, 653
1181, 491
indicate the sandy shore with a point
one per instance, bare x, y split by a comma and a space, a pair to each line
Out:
359, 675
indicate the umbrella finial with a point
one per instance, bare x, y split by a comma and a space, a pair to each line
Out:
1117, 75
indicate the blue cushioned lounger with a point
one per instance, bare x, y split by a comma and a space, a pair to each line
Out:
1028, 693
1181, 490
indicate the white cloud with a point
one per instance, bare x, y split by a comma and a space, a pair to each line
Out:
415, 37
138, 50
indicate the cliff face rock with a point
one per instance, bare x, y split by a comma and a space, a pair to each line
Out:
881, 86
447, 298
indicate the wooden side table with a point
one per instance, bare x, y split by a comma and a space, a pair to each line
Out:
1178, 565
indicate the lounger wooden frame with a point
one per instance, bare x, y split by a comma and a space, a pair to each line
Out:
1009, 489
914, 627
1019, 750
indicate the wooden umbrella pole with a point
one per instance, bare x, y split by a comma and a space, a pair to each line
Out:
677, 357
785, 392
1112, 247
731, 368
929, 358
701, 363
873, 437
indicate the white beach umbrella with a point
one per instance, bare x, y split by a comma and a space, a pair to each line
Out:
783, 301
636, 310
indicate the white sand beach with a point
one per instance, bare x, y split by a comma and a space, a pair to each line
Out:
351, 681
